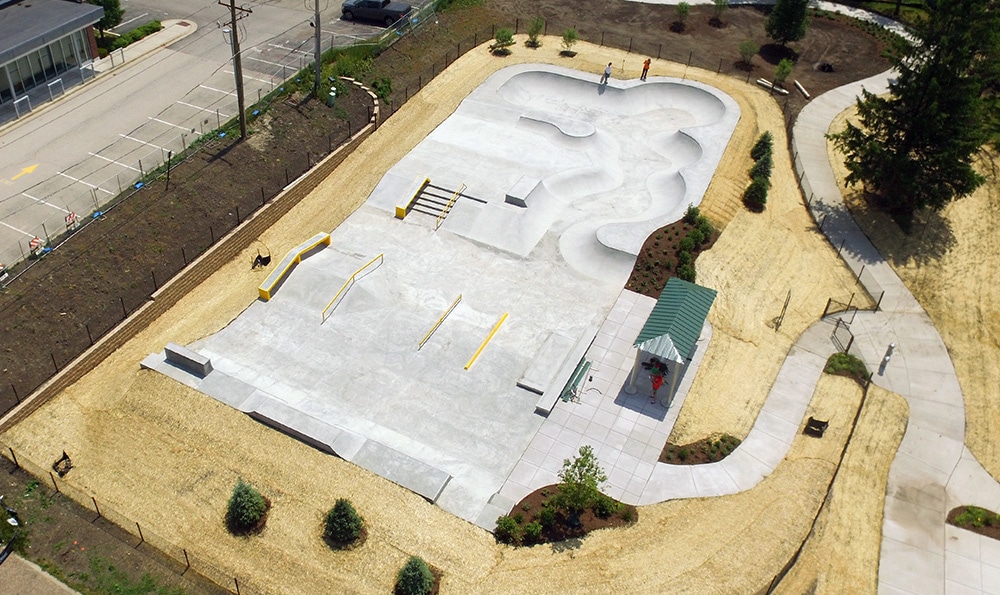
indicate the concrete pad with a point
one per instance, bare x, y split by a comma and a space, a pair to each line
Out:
909, 569
159, 363
713, 480
402, 469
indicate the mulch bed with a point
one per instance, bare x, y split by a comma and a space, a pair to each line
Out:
529, 507
991, 530
658, 258
706, 450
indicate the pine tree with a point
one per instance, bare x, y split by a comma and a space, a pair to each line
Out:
915, 148
113, 13
788, 21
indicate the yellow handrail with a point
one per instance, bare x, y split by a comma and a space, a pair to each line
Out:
439, 321
485, 341
447, 207
349, 282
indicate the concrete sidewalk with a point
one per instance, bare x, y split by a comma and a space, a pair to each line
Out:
21, 577
933, 471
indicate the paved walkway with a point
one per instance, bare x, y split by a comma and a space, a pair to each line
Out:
21, 577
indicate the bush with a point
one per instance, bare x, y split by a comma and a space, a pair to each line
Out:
763, 146
246, 509
762, 169
605, 506
748, 49
136, 34
343, 524
535, 28
845, 364
687, 244
503, 39
691, 215
547, 517
382, 87
687, 273
706, 229
532, 532
414, 578
507, 530
755, 196
569, 38
782, 71
683, 259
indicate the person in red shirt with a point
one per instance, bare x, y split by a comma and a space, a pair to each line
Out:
645, 69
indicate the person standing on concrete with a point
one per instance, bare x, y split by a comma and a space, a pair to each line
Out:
607, 74
645, 69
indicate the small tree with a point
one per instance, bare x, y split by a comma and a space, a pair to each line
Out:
748, 49
569, 39
580, 479
683, 11
788, 21
719, 7
762, 169
782, 70
535, 29
755, 196
343, 524
414, 578
113, 14
504, 39
763, 146
246, 510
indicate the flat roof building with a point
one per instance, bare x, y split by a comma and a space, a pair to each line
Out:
44, 43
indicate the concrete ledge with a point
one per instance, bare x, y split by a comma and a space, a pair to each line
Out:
294, 256
548, 399
545, 363
518, 194
192, 361
410, 196
402, 469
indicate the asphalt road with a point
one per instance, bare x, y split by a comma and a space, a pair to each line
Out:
74, 154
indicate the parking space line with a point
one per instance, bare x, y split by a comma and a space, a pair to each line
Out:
275, 45
122, 24
269, 62
65, 175
113, 161
184, 128
217, 90
249, 77
40, 201
142, 141
204, 109
30, 235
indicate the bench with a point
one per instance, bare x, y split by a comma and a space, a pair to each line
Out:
188, 360
294, 256
815, 427
411, 194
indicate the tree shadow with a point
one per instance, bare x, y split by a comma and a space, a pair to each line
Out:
567, 545
930, 236
772, 53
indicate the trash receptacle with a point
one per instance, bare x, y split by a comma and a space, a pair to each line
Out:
332, 97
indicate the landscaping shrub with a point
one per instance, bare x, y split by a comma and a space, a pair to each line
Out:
136, 34
687, 244
706, 229
246, 508
762, 169
748, 49
507, 530
845, 364
547, 517
763, 146
974, 516
687, 273
605, 506
532, 532
502, 41
691, 215
569, 39
580, 479
414, 578
683, 258
343, 524
534, 30
755, 196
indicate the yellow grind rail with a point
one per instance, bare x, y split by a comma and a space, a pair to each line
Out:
447, 207
294, 256
485, 341
439, 321
416, 187
350, 282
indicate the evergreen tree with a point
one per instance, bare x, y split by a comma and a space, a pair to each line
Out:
788, 21
915, 148
113, 14
343, 524
414, 578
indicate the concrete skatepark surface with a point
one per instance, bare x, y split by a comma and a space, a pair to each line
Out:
356, 384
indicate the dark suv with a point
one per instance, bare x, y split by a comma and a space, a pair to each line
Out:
383, 11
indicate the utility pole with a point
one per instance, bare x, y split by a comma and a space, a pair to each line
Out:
319, 54
237, 62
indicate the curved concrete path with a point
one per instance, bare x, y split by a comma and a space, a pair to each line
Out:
933, 471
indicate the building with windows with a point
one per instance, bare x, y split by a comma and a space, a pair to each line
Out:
44, 43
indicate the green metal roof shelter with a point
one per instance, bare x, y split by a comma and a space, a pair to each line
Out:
671, 332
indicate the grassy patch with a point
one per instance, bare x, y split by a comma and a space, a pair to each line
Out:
845, 364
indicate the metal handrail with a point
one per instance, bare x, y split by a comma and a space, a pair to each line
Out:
439, 321
447, 207
348, 283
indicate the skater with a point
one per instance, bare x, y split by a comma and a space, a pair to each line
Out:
645, 69
607, 74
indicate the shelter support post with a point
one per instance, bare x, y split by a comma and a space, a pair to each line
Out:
630, 388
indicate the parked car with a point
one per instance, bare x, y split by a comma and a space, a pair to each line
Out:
383, 11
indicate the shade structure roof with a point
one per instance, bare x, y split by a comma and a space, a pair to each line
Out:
675, 323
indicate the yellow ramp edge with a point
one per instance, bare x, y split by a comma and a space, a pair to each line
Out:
293, 257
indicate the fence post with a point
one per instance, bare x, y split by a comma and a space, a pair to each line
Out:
238, 220
858, 280
827, 308
155, 286
844, 239
602, 38
187, 563
849, 343
849, 302
211, 233
141, 538
54, 484
237, 585
286, 176
263, 199
54, 364
89, 336
879, 302
16, 398
13, 457
124, 312
658, 50
822, 222
718, 70
96, 508
184, 256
